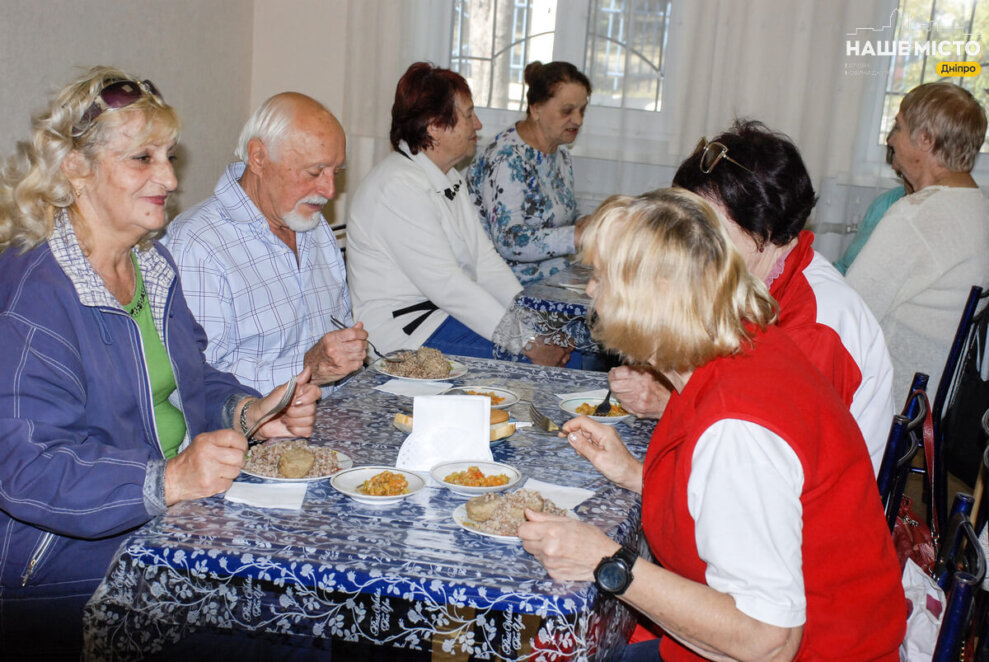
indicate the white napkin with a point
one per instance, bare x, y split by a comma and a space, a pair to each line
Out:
288, 496
412, 389
447, 428
596, 394
563, 496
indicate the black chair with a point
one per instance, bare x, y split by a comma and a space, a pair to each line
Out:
964, 570
950, 388
905, 439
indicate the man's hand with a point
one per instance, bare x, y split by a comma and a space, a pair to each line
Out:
639, 390
206, 467
337, 354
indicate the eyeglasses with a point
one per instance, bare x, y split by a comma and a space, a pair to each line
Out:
115, 95
712, 154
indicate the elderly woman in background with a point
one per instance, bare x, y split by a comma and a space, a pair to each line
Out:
931, 247
757, 181
523, 181
421, 270
108, 411
756, 483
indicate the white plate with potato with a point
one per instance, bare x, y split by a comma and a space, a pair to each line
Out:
265, 461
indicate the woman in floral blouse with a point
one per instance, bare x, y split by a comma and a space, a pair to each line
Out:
522, 183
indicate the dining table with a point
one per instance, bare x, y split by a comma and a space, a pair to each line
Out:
338, 578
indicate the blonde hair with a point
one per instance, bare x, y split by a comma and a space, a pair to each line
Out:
951, 118
33, 187
672, 289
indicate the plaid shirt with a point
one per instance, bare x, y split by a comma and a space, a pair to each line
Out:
261, 311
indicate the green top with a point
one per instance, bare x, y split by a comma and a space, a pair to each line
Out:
168, 418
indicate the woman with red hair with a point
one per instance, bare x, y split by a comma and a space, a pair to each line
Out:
421, 269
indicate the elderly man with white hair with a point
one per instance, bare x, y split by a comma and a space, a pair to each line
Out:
259, 265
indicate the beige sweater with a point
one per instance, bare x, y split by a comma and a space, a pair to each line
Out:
915, 273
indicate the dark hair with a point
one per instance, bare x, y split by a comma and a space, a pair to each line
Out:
425, 95
543, 79
774, 200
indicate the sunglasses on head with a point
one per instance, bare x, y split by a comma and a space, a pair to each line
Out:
115, 95
711, 155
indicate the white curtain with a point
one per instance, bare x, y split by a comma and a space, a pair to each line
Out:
779, 61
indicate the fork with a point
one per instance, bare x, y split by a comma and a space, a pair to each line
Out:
542, 421
277, 409
394, 356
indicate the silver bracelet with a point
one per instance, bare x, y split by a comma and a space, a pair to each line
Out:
243, 416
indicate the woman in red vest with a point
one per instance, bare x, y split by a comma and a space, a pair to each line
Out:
758, 496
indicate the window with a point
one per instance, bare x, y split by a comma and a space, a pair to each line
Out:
619, 44
925, 21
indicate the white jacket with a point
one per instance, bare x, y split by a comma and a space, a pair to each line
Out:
407, 243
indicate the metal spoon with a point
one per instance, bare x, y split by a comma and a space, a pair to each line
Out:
394, 356
604, 408
274, 411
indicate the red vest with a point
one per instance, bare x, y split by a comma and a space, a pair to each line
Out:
855, 604
798, 317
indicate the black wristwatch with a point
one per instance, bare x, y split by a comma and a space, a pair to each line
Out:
614, 573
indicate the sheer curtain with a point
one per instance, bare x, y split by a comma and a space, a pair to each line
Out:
779, 61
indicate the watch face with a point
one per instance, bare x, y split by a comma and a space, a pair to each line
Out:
611, 576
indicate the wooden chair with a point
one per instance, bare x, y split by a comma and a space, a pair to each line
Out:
945, 396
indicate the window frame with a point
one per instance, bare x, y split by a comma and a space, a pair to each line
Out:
619, 134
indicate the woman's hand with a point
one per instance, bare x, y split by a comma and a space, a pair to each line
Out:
541, 352
206, 467
602, 446
639, 390
569, 549
298, 418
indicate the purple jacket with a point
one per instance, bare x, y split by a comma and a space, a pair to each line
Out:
80, 462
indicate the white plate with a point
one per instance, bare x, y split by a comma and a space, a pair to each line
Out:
348, 481
510, 397
441, 471
570, 406
457, 369
343, 460
460, 517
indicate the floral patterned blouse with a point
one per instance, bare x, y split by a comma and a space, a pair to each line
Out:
526, 203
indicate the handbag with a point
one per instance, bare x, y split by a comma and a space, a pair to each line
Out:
912, 538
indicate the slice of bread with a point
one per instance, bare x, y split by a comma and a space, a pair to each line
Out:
499, 430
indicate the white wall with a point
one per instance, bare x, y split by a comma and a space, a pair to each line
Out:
300, 45
198, 53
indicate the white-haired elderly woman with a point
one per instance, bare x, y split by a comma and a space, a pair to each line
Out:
109, 413
932, 246
756, 483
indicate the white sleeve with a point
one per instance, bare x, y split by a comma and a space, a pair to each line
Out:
744, 496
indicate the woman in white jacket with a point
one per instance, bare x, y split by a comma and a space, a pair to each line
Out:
421, 269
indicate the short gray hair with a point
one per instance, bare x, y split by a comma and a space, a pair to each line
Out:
269, 124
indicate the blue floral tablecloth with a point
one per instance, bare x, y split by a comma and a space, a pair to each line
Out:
338, 574
554, 308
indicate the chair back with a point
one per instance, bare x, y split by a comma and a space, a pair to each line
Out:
947, 394
964, 571
905, 439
